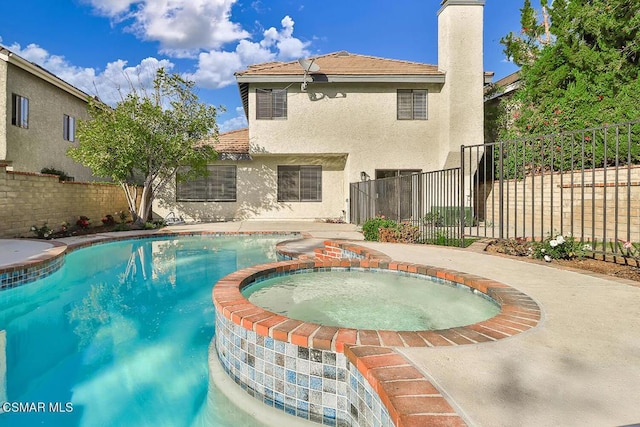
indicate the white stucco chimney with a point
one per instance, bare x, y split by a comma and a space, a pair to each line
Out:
460, 57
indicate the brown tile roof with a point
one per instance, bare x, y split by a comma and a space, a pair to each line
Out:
232, 142
345, 63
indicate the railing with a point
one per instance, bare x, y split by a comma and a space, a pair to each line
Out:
584, 183
428, 200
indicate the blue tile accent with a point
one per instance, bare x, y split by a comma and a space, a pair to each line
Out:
337, 395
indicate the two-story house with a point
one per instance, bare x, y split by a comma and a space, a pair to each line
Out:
318, 124
40, 112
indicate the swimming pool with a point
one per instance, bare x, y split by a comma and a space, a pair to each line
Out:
120, 334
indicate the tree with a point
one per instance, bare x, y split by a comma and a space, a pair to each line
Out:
146, 138
579, 65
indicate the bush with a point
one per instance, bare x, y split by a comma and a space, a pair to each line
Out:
108, 220
407, 233
558, 247
83, 222
62, 176
122, 227
371, 228
43, 232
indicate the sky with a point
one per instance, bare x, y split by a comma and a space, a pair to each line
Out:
101, 46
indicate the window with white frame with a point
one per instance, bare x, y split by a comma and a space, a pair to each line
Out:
412, 104
68, 128
19, 111
218, 186
271, 104
299, 183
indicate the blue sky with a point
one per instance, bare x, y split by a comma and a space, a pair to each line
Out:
95, 44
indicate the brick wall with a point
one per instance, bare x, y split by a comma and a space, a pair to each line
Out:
28, 199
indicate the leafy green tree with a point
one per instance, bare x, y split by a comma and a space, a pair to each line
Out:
579, 64
146, 138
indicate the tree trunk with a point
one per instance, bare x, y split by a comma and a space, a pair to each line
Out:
131, 197
144, 210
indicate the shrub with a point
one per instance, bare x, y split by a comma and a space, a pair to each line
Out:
372, 226
62, 176
518, 246
108, 220
83, 222
388, 235
43, 232
407, 233
122, 215
122, 227
557, 246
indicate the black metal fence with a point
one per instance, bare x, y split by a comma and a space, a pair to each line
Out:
427, 200
584, 183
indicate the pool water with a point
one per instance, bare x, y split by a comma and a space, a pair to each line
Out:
367, 300
120, 335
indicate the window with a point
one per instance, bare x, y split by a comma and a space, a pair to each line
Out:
389, 173
218, 186
271, 104
19, 111
68, 128
299, 183
412, 104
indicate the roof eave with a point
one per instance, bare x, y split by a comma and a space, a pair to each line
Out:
342, 78
41, 73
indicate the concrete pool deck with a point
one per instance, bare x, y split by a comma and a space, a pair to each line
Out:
579, 366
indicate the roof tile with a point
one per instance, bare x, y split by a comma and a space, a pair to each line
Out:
232, 142
345, 63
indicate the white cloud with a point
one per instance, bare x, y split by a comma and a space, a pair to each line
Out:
183, 27
238, 122
110, 85
215, 68
115, 9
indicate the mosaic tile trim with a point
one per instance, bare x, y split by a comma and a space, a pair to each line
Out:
317, 385
44, 265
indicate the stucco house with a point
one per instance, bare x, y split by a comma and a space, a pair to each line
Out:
40, 112
318, 124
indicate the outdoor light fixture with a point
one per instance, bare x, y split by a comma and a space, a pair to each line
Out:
363, 176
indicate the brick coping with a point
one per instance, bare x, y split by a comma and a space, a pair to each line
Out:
409, 397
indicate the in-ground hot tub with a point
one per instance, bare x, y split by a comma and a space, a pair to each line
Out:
347, 376
372, 299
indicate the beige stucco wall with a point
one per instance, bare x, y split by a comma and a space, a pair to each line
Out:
257, 193
357, 120
460, 56
42, 144
28, 199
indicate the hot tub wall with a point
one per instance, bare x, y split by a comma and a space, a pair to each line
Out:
319, 385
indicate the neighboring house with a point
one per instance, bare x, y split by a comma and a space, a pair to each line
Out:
349, 118
496, 99
40, 116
